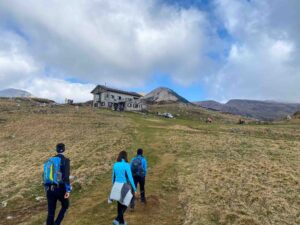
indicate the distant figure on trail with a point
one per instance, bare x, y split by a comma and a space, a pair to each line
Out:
209, 120
57, 184
139, 171
121, 190
241, 121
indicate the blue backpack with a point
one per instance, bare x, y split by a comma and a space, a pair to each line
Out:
137, 167
52, 172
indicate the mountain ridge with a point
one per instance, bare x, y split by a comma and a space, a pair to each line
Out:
162, 95
263, 110
14, 93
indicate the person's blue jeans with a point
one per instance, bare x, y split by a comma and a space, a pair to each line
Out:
54, 195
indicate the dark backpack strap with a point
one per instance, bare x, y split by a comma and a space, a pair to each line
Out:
64, 168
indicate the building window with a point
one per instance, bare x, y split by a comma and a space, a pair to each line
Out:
129, 105
102, 103
136, 105
109, 104
112, 96
107, 95
120, 98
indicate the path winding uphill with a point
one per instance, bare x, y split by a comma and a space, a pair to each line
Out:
162, 202
89, 206
199, 173
161, 207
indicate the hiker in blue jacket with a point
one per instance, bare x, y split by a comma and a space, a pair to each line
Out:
122, 174
139, 171
58, 186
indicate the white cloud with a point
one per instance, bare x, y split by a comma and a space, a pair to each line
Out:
121, 42
19, 70
59, 89
263, 61
281, 50
14, 63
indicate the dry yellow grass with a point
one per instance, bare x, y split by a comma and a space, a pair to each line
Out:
28, 138
229, 179
200, 174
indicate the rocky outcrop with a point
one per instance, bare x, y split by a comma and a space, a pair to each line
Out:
163, 95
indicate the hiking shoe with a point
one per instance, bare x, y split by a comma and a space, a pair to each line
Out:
116, 222
123, 223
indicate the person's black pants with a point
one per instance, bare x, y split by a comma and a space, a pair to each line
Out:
121, 211
141, 181
54, 194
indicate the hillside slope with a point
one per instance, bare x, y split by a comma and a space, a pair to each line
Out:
297, 115
192, 113
263, 110
199, 173
14, 93
210, 104
164, 95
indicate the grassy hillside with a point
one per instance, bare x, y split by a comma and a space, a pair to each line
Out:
199, 173
193, 113
297, 115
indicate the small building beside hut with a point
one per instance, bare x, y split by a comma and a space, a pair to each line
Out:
69, 101
118, 100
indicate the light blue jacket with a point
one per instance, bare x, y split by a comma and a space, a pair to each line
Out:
122, 171
144, 162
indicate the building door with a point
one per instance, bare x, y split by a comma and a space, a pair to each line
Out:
116, 106
121, 106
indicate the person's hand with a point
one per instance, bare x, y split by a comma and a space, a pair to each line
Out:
67, 195
136, 194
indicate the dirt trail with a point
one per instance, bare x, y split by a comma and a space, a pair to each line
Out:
92, 208
162, 206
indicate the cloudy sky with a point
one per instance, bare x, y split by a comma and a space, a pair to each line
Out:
203, 49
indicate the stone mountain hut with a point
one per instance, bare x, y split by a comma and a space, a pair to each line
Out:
118, 100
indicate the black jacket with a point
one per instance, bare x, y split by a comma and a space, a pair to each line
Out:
65, 170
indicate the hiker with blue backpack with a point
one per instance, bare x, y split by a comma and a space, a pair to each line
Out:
122, 184
57, 184
139, 171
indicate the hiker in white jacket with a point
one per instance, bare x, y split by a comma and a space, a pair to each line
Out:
121, 190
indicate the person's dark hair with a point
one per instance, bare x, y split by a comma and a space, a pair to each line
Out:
139, 151
60, 147
122, 155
